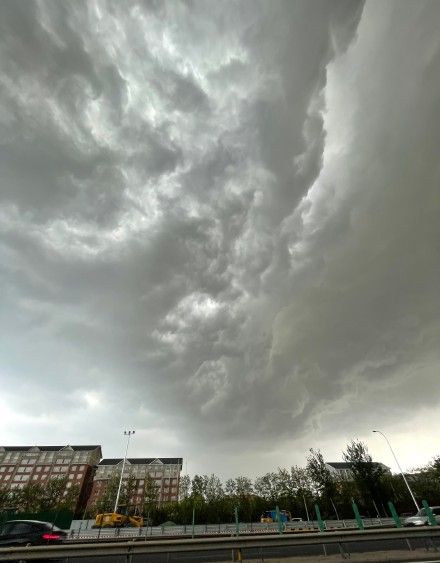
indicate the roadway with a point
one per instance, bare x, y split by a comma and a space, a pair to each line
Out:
381, 550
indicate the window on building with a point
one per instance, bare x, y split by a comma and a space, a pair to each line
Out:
28, 461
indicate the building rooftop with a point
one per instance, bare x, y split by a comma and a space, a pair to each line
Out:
143, 460
338, 464
346, 465
47, 448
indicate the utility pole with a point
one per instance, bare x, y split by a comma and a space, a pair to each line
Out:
400, 469
127, 433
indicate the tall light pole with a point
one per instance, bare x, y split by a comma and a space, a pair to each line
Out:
400, 469
127, 433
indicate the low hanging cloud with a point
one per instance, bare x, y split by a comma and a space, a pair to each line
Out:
219, 223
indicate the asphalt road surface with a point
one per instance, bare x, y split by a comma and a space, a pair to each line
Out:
277, 553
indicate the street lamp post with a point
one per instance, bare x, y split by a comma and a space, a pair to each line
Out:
127, 433
400, 469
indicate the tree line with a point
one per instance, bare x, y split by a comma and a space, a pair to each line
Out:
53, 496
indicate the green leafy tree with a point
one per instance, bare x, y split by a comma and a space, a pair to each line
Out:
52, 497
5, 499
286, 487
14, 499
322, 481
31, 497
240, 492
435, 467
243, 487
128, 490
367, 475
151, 490
230, 487
106, 502
301, 482
425, 482
298, 491
320, 475
198, 487
184, 487
198, 492
213, 488
266, 487
70, 497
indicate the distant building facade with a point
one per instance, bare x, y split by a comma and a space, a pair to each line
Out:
164, 471
341, 470
20, 465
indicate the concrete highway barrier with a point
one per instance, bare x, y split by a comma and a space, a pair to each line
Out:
429, 534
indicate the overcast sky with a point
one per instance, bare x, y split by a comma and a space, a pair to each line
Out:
220, 227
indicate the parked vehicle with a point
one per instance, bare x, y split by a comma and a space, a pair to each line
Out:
30, 532
421, 518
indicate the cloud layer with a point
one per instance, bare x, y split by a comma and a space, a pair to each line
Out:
219, 224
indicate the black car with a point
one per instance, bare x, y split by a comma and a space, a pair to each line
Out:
30, 532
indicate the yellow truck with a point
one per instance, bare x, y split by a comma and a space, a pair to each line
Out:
116, 520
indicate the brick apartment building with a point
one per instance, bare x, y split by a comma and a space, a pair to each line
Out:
165, 472
20, 465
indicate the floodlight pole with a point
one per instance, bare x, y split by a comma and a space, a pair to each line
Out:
400, 469
127, 433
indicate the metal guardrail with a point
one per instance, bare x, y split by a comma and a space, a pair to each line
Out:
140, 547
213, 529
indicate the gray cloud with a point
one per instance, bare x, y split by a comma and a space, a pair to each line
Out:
218, 223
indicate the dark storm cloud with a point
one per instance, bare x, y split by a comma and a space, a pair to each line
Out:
214, 216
